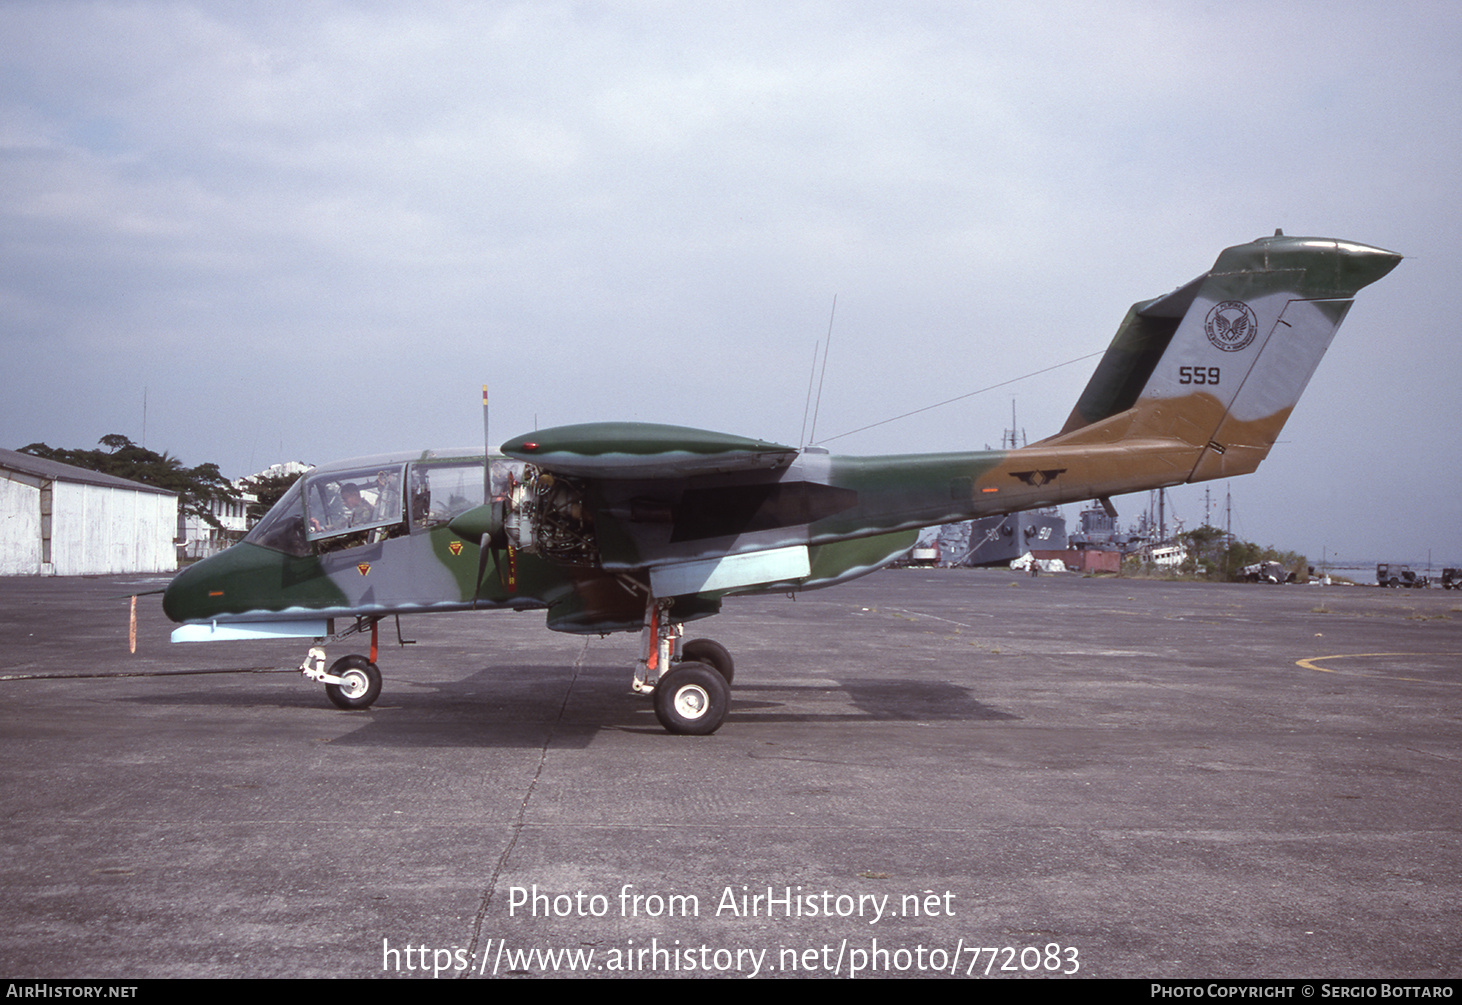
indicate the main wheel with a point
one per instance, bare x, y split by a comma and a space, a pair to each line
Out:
711, 653
360, 683
692, 699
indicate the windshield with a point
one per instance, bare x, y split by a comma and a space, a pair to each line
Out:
283, 527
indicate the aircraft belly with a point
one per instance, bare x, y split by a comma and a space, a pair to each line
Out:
215, 631
844, 560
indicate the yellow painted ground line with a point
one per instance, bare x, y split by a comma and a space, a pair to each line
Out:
1309, 664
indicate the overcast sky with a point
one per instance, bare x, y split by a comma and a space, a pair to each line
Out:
313, 230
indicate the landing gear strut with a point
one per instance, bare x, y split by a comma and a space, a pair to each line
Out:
690, 683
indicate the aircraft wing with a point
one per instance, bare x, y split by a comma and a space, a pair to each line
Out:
622, 450
688, 512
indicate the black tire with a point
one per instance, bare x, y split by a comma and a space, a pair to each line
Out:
711, 653
362, 684
692, 699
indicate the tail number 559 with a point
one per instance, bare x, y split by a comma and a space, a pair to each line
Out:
1198, 375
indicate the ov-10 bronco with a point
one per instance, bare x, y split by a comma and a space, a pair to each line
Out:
616, 527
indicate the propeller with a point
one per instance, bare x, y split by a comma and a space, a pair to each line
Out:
484, 523
494, 540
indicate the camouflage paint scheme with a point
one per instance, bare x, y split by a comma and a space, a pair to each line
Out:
1196, 385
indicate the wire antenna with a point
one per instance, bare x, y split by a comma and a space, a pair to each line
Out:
961, 397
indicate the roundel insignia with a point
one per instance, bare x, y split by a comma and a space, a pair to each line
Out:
1231, 325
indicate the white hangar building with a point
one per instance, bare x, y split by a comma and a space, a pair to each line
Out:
59, 520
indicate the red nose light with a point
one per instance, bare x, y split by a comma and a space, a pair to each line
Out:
530, 445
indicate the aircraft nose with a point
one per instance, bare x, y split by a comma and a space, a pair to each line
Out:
180, 599
226, 583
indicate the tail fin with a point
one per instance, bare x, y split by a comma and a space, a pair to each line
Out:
1219, 364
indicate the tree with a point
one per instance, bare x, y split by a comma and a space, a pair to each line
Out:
1205, 548
197, 488
268, 489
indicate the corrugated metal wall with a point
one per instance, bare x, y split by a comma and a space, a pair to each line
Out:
95, 530
20, 524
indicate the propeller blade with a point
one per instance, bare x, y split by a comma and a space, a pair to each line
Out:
493, 542
486, 452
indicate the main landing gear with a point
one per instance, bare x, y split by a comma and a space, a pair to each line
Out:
352, 682
690, 684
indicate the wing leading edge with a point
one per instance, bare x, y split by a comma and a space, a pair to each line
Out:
644, 450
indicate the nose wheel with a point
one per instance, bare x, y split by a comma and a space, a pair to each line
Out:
352, 682
360, 683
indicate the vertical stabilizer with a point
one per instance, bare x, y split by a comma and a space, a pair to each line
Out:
1219, 364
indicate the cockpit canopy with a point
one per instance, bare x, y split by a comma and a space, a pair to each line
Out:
348, 506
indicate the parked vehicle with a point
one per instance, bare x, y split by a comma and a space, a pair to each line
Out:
1266, 572
1393, 575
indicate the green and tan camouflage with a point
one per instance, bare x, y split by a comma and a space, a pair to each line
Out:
634, 526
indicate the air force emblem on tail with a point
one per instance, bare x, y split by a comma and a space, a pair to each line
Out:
1231, 325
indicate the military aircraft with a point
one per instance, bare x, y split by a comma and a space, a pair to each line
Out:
614, 527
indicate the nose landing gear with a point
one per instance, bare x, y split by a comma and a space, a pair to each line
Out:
352, 682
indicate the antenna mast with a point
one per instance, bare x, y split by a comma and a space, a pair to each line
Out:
1009, 441
825, 351
807, 405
